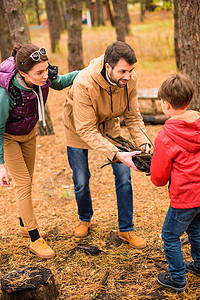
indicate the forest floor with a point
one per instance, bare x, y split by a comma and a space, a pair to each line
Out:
118, 272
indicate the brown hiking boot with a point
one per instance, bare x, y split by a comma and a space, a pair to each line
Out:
134, 240
41, 249
82, 229
23, 232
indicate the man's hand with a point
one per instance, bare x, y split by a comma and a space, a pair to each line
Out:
126, 158
4, 181
145, 148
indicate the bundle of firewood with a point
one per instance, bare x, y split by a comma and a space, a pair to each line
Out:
142, 161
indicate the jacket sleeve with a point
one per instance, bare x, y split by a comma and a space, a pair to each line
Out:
4, 114
132, 116
86, 123
161, 163
63, 81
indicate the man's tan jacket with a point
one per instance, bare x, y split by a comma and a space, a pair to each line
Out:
93, 107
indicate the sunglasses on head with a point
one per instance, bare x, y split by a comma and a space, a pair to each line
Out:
36, 54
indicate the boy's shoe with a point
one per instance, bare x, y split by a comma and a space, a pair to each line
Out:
190, 267
82, 229
41, 249
134, 240
23, 232
164, 280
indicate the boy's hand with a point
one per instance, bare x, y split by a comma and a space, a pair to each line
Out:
4, 180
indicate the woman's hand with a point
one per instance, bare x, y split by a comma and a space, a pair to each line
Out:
4, 181
126, 158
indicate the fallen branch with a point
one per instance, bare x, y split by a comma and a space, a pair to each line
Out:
142, 161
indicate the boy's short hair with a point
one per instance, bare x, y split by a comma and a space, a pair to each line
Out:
118, 50
177, 90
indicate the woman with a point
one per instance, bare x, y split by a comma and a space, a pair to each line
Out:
25, 78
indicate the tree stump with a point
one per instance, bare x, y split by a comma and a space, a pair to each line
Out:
30, 283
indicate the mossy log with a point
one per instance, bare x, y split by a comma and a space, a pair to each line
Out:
30, 283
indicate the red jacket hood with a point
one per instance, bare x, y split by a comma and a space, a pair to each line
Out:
186, 135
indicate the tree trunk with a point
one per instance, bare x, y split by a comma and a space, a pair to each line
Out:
189, 45
176, 35
48, 129
119, 19
37, 12
74, 13
62, 16
142, 10
5, 41
99, 13
52, 15
110, 13
126, 16
16, 20
30, 283
57, 19
92, 15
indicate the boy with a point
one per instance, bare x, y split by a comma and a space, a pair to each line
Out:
176, 159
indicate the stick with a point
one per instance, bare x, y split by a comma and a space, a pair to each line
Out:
146, 136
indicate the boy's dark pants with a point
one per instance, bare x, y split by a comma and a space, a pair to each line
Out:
177, 222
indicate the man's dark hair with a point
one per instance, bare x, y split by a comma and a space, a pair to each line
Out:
177, 90
118, 50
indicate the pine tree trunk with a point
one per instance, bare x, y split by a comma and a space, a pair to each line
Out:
142, 10
74, 14
110, 13
62, 17
48, 129
176, 35
5, 41
126, 16
89, 6
57, 20
99, 13
119, 19
53, 23
37, 12
15, 17
189, 45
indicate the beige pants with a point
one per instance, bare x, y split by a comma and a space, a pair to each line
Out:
19, 154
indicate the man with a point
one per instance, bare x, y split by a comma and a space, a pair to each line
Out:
102, 92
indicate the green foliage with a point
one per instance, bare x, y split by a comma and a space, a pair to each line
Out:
165, 210
67, 194
167, 5
133, 1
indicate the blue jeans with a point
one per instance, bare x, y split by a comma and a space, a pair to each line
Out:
78, 160
177, 222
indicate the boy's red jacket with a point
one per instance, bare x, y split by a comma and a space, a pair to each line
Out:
176, 159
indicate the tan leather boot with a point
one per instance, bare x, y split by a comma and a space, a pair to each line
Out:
41, 249
134, 240
82, 229
23, 232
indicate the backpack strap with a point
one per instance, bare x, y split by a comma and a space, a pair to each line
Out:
15, 94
